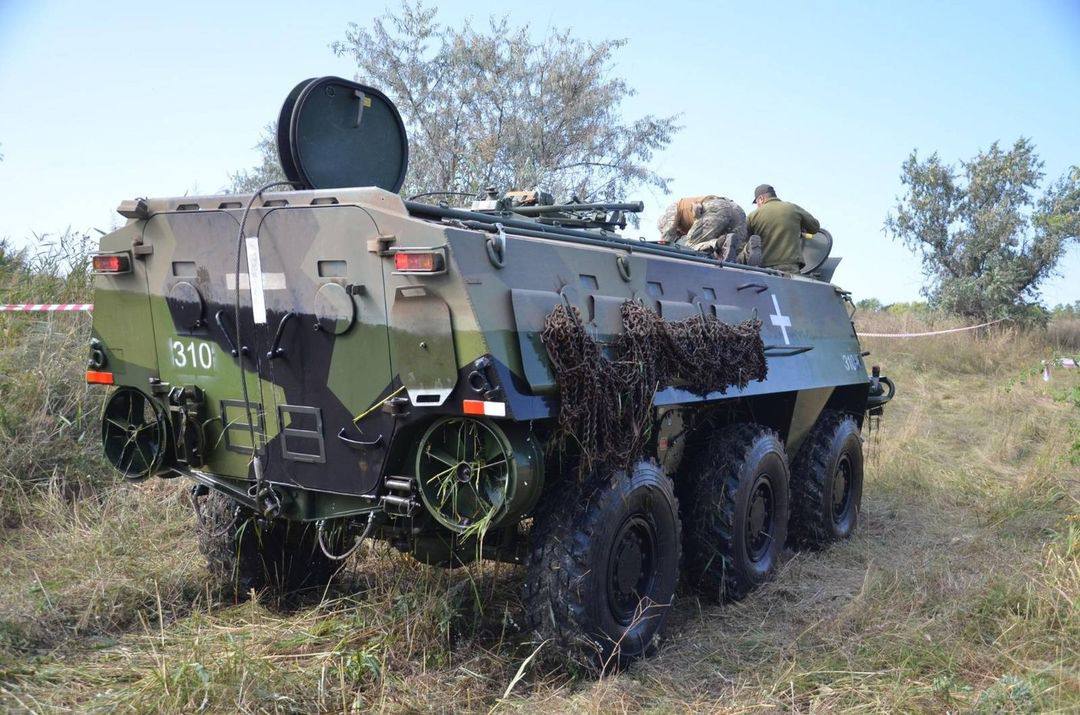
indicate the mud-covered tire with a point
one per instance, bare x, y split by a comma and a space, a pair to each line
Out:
735, 507
827, 482
244, 554
604, 566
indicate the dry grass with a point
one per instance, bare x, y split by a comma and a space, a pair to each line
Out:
1065, 333
958, 593
49, 426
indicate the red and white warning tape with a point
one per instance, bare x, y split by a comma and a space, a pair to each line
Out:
1068, 363
45, 307
932, 332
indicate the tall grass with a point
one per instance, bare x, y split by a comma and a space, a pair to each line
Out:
959, 591
1064, 333
48, 416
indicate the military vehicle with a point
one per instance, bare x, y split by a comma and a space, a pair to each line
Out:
328, 362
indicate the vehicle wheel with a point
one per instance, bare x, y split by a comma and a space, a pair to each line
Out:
735, 507
244, 554
826, 482
604, 565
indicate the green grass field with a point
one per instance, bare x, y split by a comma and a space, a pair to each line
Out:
959, 592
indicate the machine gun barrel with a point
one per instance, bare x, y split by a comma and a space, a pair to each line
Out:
631, 206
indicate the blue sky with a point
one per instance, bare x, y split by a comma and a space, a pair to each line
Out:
105, 101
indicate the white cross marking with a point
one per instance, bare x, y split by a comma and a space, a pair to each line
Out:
780, 320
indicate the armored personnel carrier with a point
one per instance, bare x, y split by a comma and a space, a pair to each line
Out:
328, 362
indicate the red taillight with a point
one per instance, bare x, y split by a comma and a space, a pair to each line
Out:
96, 377
418, 262
111, 263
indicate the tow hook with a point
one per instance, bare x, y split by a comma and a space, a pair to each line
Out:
267, 500
882, 390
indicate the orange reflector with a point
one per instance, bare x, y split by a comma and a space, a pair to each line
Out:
480, 407
111, 263
95, 377
414, 262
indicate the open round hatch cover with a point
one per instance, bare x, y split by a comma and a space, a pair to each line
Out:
333, 133
815, 250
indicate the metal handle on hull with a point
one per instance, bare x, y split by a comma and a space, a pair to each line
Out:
787, 350
496, 247
359, 444
276, 350
219, 319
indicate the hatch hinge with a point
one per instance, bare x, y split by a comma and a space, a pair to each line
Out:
381, 245
139, 248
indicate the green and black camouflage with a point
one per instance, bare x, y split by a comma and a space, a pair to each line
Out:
352, 331
427, 374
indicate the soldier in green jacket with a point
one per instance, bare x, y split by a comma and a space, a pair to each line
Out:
781, 225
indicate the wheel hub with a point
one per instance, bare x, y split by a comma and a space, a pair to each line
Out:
759, 519
841, 490
631, 568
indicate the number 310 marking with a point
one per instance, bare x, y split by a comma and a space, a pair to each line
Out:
851, 361
188, 354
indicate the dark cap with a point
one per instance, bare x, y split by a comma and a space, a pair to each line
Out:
764, 190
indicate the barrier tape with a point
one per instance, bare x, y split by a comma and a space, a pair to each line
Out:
46, 307
932, 332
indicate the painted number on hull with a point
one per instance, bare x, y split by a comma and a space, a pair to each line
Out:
851, 361
188, 353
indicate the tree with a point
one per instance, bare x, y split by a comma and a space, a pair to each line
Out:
869, 305
268, 169
490, 107
1066, 310
985, 240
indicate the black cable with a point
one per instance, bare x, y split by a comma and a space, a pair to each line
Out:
239, 343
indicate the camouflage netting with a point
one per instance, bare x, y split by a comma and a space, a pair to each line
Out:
606, 391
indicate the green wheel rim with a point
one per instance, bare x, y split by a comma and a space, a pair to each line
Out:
465, 469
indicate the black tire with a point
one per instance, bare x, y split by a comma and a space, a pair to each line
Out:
735, 507
244, 554
604, 566
827, 482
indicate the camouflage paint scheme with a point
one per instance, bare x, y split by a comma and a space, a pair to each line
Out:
327, 258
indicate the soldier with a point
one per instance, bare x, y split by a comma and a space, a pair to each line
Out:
781, 225
712, 224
